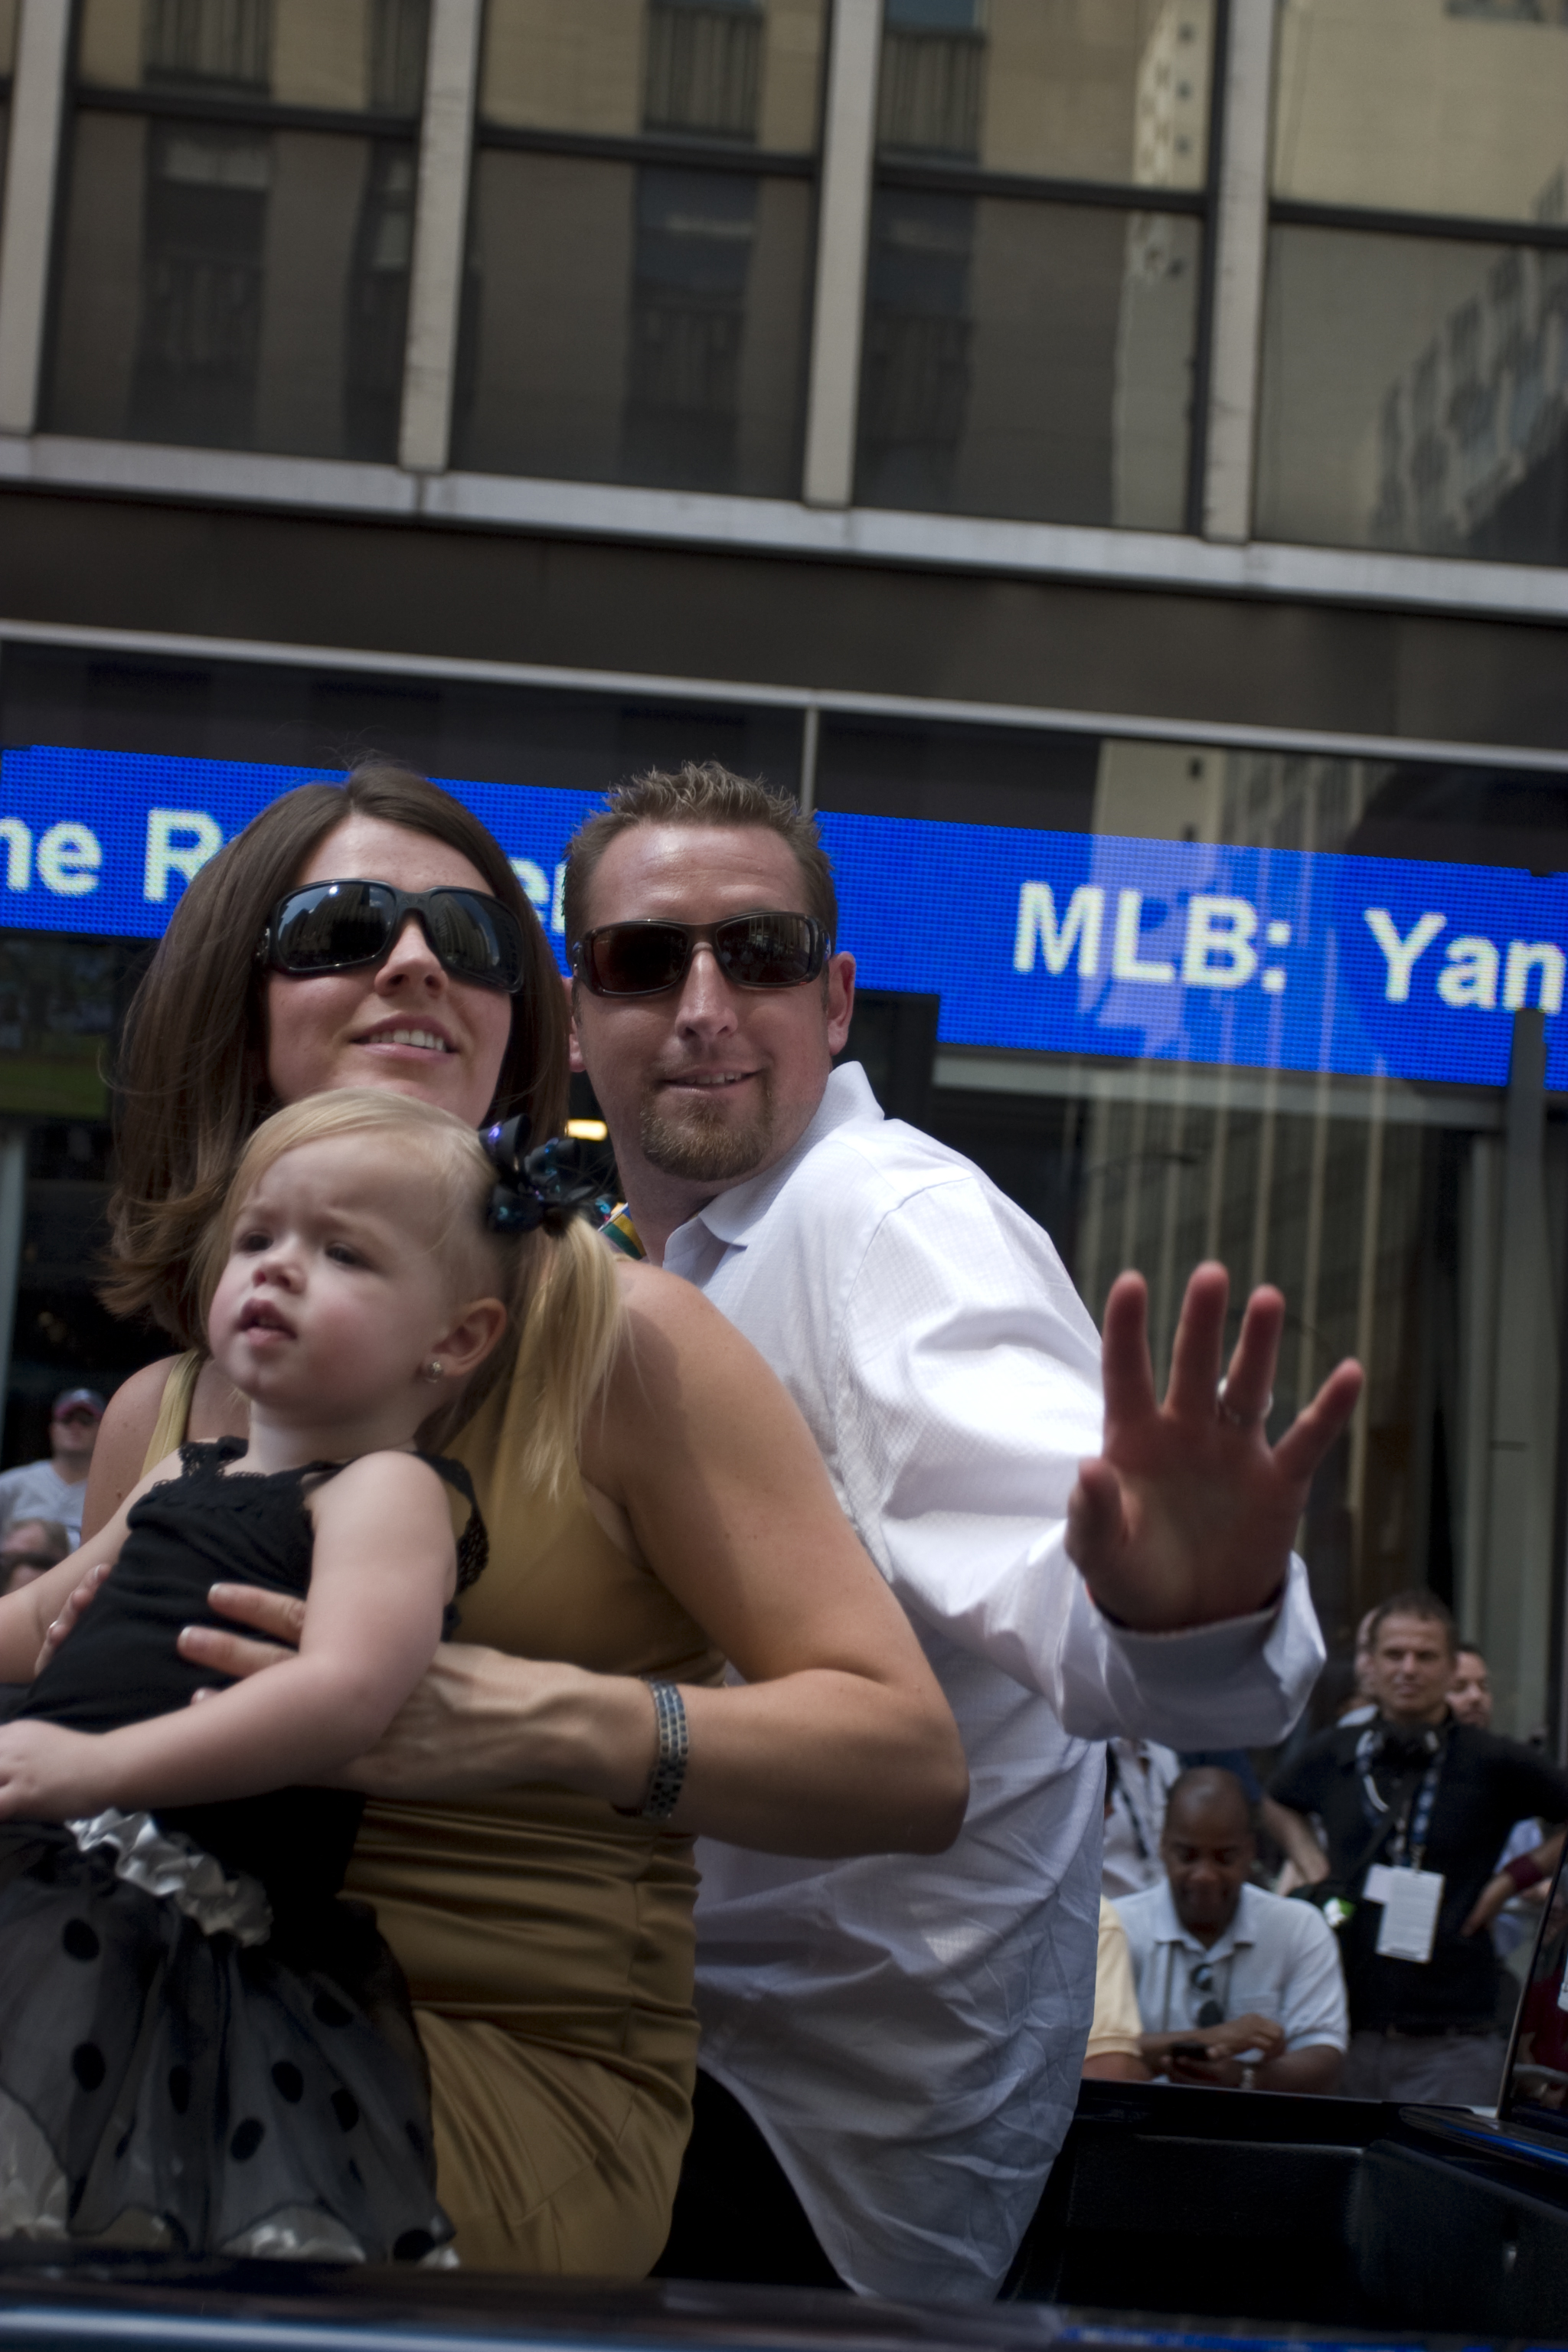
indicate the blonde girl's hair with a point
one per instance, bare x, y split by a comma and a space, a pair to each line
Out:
564, 1315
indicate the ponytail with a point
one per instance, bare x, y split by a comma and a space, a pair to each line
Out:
572, 1325
566, 1320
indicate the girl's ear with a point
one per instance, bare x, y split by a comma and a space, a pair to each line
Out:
476, 1332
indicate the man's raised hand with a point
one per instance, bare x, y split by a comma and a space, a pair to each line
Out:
1188, 1514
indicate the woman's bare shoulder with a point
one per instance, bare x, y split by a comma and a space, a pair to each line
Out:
657, 1301
124, 1437
683, 1365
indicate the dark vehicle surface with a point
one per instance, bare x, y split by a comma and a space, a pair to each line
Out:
1174, 2218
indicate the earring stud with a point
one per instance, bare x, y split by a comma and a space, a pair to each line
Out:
433, 1369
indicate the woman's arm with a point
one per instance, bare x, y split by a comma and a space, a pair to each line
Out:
382, 1565
838, 1741
28, 1618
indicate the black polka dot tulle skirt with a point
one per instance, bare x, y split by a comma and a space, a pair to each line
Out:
164, 2086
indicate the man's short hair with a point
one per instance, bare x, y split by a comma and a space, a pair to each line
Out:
1416, 1603
1469, 1650
699, 792
1204, 1783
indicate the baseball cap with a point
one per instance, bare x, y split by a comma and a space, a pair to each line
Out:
78, 1400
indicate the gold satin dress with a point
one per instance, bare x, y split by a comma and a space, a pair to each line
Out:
548, 1941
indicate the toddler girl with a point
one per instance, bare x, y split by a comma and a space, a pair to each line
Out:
201, 2048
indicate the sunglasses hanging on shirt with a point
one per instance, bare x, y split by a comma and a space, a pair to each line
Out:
1202, 1978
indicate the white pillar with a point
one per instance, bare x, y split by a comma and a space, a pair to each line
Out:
843, 232
27, 227
1241, 233
440, 234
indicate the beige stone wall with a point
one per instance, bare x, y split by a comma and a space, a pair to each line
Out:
1398, 103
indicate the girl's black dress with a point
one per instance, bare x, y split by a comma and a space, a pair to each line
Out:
202, 2046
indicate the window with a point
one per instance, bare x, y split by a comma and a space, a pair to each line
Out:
1416, 339
1037, 248
239, 224
639, 283
704, 68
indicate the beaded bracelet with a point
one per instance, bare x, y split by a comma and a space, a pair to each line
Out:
668, 1774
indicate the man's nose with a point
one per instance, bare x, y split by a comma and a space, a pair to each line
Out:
707, 998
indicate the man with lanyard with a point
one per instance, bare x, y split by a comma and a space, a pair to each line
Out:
1414, 1807
891, 2045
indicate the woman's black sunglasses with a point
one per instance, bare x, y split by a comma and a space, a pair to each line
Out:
763, 951
338, 926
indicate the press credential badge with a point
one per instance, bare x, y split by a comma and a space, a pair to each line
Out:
1411, 1900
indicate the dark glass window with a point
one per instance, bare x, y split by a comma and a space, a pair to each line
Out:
1415, 389
694, 239
704, 68
1030, 346
1029, 359
639, 280
235, 257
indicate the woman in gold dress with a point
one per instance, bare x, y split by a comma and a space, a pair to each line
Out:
655, 1506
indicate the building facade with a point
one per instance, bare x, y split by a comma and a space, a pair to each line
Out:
1144, 422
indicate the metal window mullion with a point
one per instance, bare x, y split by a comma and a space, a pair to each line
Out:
440, 234
843, 238
1241, 231
26, 229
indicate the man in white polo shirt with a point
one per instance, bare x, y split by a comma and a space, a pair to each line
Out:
1237, 1989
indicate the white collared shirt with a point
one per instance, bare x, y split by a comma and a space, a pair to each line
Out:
908, 2030
1277, 1959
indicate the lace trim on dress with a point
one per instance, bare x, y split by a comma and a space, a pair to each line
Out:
175, 1869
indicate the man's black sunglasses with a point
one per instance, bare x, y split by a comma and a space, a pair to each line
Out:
340, 926
765, 951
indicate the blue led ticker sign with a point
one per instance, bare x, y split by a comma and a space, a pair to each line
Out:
1052, 942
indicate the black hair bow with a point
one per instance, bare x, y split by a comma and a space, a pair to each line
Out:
548, 1186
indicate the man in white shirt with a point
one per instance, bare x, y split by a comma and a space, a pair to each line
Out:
1236, 1988
55, 1487
891, 2045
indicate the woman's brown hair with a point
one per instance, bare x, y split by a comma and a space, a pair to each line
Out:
191, 1078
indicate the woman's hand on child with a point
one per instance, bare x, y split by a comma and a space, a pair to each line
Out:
477, 1722
70, 1615
272, 1614
49, 1774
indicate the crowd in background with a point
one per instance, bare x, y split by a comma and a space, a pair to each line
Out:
40, 1502
1360, 1924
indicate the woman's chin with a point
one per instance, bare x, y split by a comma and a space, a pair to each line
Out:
443, 1080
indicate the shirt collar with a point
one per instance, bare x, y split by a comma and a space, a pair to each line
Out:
731, 1216
1168, 1928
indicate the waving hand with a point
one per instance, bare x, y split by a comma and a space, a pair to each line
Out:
1189, 1514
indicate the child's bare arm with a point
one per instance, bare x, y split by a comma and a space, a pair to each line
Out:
26, 1616
382, 1566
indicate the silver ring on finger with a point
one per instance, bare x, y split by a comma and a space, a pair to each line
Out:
1242, 1420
